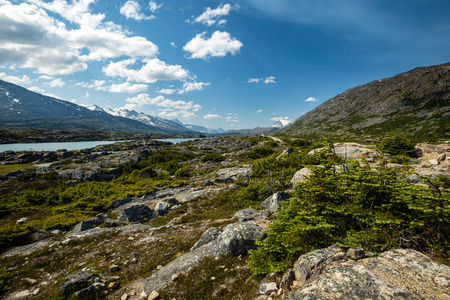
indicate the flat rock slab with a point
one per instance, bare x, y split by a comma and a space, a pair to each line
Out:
395, 274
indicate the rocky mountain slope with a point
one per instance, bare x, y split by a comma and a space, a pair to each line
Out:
22, 108
414, 103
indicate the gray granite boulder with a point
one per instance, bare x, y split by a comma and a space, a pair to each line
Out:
77, 282
207, 237
246, 214
395, 274
135, 212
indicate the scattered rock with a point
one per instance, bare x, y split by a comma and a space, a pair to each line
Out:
268, 288
114, 268
77, 282
434, 162
208, 183
273, 203
22, 220
413, 178
121, 202
355, 253
36, 291
91, 292
153, 295
124, 297
230, 174
238, 238
113, 285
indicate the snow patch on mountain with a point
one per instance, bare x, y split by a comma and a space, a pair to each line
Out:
282, 122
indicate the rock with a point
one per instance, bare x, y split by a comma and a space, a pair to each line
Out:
56, 231
114, 268
230, 174
287, 279
153, 295
161, 206
173, 201
36, 291
285, 153
442, 157
124, 297
22, 220
113, 285
238, 238
273, 203
395, 274
91, 292
77, 282
22, 294
207, 237
138, 212
208, 183
174, 277
268, 288
39, 236
355, 253
246, 214
413, 178
301, 176
121, 202
434, 162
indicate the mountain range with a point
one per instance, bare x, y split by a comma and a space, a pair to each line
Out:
415, 103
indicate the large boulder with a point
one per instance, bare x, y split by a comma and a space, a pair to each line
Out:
207, 237
395, 274
236, 239
301, 176
273, 203
135, 212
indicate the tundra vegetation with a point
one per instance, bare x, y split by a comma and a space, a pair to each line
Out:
353, 203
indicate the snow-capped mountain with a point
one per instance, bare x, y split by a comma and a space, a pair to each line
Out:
282, 123
146, 119
203, 129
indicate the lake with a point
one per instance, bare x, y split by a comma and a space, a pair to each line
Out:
71, 145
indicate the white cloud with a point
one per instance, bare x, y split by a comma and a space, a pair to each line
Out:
14, 79
258, 111
232, 118
167, 91
311, 99
173, 44
132, 10
212, 16
152, 71
193, 86
125, 87
55, 83
153, 6
86, 95
31, 38
276, 119
212, 116
253, 80
219, 45
170, 108
270, 79
46, 77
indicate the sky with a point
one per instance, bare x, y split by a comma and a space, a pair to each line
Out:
229, 64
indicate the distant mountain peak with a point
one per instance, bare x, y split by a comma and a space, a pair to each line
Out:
282, 123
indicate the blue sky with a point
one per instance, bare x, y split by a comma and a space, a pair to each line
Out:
224, 64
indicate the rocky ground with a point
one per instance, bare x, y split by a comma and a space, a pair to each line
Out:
187, 242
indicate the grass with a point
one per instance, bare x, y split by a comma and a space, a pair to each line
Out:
5, 169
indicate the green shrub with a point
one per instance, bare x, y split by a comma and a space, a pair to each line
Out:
4, 280
398, 146
183, 172
259, 152
361, 207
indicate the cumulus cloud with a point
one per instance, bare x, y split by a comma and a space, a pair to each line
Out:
193, 86
125, 87
46, 77
132, 10
14, 79
170, 108
213, 16
212, 116
232, 118
152, 71
153, 6
218, 45
31, 38
167, 91
55, 83
258, 111
311, 99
